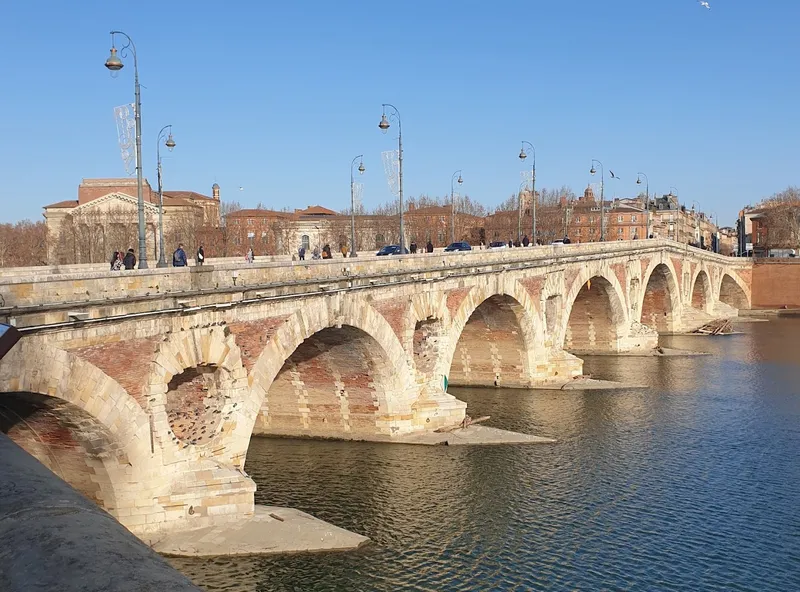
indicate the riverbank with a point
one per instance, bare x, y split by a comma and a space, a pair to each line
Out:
271, 531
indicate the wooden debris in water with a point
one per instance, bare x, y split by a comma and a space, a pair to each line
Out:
465, 423
718, 327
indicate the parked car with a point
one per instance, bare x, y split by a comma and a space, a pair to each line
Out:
390, 250
458, 246
498, 245
558, 242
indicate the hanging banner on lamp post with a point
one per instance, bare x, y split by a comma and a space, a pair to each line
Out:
124, 115
391, 166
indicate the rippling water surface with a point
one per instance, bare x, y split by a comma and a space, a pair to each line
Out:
692, 484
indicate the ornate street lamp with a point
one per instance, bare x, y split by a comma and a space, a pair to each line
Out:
522, 156
602, 197
384, 125
453, 204
114, 63
361, 170
169, 143
646, 202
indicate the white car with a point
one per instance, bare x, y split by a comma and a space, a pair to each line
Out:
498, 245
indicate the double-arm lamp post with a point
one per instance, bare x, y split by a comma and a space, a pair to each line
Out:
602, 197
453, 204
169, 143
361, 170
114, 63
384, 125
522, 156
646, 202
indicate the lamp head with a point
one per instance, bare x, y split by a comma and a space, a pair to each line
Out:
522, 155
592, 171
361, 168
638, 181
113, 62
460, 180
170, 143
384, 124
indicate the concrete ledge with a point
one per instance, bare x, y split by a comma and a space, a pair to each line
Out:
476, 435
53, 538
272, 530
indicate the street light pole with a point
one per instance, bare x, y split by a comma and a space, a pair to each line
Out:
646, 202
523, 156
384, 125
361, 170
169, 143
114, 63
602, 197
453, 205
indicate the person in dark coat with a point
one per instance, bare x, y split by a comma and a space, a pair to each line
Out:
429, 247
510, 243
179, 257
114, 258
201, 255
129, 261
525, 241
413, 247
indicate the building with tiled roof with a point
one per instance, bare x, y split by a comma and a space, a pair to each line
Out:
104, 219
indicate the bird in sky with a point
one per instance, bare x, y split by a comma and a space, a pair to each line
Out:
613, 176
704, 4
241, 188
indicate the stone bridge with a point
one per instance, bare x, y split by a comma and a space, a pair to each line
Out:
142, 388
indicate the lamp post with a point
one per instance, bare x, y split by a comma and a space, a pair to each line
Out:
384, 126
646, 202
361, 170
522, 156
169, 143
602, 197
453, 204
114, 63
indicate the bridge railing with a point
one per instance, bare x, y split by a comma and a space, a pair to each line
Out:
107, 286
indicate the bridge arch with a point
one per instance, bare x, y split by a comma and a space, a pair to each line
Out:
701, 294
74, 419
333, 372
595, 317
733, 291
660, 301
493, 338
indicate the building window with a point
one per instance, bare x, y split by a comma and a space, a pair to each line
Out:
249, 221
379, 240
621, 231
578, 232
633, 217
441, 236
620, 218
263, 237
305, 241
577, 218
591, 219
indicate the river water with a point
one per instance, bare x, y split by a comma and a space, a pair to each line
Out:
692, 484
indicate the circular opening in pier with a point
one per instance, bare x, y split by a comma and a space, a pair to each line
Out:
194, 403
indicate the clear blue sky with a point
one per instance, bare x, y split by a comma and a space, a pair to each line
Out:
278, 97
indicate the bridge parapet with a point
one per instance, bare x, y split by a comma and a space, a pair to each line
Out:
20, 292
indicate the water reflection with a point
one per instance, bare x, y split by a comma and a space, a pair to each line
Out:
689, 485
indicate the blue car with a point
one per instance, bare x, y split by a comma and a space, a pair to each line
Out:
391, 250
459, 246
